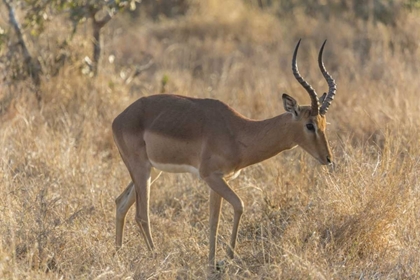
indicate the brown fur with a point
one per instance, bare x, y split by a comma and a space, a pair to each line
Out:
208, 136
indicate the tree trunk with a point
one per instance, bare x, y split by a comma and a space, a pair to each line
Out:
32, 65
97, 26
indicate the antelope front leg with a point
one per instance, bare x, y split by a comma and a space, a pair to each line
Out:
219, 185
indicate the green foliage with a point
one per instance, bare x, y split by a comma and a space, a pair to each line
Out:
412, 4
165, 80
38, 12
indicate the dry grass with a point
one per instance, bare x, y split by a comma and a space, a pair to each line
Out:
61, 171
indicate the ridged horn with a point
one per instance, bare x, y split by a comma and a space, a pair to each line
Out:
332, 87
306, 85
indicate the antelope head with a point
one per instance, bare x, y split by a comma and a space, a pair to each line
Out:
309, 122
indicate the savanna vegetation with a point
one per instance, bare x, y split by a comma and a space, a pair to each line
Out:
60, 170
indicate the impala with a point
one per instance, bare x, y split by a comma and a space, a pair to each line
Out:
208, 138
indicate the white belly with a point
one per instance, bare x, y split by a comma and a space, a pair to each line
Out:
175, 168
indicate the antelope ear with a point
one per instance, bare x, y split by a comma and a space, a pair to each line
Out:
322, 98
290, 105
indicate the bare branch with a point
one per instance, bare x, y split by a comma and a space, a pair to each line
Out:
139, 70
101, 23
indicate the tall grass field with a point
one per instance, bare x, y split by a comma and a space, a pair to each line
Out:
60, 170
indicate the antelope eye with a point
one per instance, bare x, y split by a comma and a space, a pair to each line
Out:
310, 127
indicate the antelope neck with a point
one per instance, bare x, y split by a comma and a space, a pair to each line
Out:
264, 139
